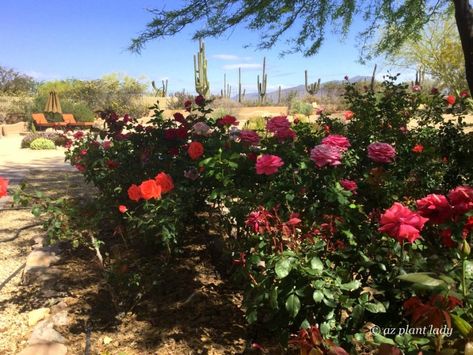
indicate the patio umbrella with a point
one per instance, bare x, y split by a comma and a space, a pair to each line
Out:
53, 105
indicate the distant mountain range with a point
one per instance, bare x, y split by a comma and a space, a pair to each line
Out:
300, 89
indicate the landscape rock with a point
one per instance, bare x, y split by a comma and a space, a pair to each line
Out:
36, 315
44, 332
45, 349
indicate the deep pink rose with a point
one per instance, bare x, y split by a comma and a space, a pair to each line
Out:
285, 134
381, 152
434, 207
249, 137
461, 198
349, 185
401, 223
278, 123
324, 154
338, 141
268, 164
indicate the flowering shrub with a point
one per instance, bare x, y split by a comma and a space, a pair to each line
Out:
334, 225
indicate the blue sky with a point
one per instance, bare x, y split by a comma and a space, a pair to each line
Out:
59, 39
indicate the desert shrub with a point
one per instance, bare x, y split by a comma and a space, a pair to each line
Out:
42, 143
59, 139
179, 99
301, 107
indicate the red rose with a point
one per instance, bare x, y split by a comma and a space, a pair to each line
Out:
464, 94
418, 148
434, 207
447, 240
3, 187
401, 223
195, 150
450, 99
122, 208
179, 117
112, 164
349, 185
227, 121
200, 100
149, 189
165, 181
461, 198
348, 115
134, 193
188, 105
249, 137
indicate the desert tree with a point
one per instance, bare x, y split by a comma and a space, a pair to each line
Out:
304, 23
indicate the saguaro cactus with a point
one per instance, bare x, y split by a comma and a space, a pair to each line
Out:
420, 75
239, 85
313, 88
262, 85
227, 88
373, 78
200, 71
279, 95
165, 88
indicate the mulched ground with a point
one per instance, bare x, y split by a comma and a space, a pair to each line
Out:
150, 304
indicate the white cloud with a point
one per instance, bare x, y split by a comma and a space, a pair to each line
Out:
230, 57
243, 66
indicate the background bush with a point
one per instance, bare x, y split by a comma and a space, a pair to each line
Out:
42, 143
59, 139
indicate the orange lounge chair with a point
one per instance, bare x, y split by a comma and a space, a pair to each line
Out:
71, 121
40, 121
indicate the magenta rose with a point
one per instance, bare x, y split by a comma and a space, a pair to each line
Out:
461, 198
381, 152
249, 137
268, 164
285, 134
336, 140
278, 123
434, 207
324, 154
349, 185
401, 223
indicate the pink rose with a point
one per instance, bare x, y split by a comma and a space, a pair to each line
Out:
324, 154
401, 223
268, 164
249, 137
348, 115
461, 198
338, 141
349, 185
434, 207
278, 123
381, 152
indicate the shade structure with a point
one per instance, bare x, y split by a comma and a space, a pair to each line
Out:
53, 105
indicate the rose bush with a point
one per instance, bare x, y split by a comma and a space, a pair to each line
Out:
334, 225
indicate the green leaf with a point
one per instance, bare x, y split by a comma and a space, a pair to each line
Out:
318, 296
324, 329
282, 268
423, 279
351, 286
293, 305
316, 264
377, 307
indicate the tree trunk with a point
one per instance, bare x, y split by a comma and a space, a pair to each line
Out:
464, 18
